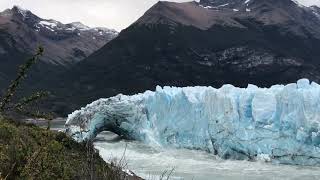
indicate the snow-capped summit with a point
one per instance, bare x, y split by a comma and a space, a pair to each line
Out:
49, 31
20, 10
65, 44
50, 27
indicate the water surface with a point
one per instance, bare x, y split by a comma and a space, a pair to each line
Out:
150, 162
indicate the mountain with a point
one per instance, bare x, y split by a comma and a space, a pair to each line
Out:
262, 42
21, 32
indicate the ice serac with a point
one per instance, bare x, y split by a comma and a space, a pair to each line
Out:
278, 124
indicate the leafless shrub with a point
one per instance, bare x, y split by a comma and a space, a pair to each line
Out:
166, 174
118, 167
7, 104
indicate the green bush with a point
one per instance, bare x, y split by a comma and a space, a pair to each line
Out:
29, 152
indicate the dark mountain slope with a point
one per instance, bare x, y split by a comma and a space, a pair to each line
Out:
262, 42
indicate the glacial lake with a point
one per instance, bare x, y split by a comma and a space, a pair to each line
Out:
150, 162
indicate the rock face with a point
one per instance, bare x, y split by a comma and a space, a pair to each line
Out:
21, 32
279, 124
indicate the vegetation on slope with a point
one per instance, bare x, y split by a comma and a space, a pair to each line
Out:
29, 152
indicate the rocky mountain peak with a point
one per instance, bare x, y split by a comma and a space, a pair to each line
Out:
50, 27
19, 14
21, 11
70, 40
24, 14
206, 13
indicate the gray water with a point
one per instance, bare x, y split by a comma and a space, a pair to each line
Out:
150, 162
55, 124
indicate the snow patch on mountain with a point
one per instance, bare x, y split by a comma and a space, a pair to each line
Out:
54, 26
48, 24
315, 11
279, 124
298, 3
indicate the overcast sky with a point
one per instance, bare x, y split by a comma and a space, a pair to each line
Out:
116, 14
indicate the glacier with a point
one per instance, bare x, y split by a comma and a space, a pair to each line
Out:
279, 124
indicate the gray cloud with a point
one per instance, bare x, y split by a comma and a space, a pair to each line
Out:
117, 14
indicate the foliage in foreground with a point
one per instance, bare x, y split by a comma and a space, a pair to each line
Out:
25, 105
29, 152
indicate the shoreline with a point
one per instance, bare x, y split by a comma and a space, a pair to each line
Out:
57, 124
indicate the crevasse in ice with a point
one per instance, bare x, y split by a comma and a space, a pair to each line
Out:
279, 124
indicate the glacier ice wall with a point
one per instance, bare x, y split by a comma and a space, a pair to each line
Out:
279, 124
